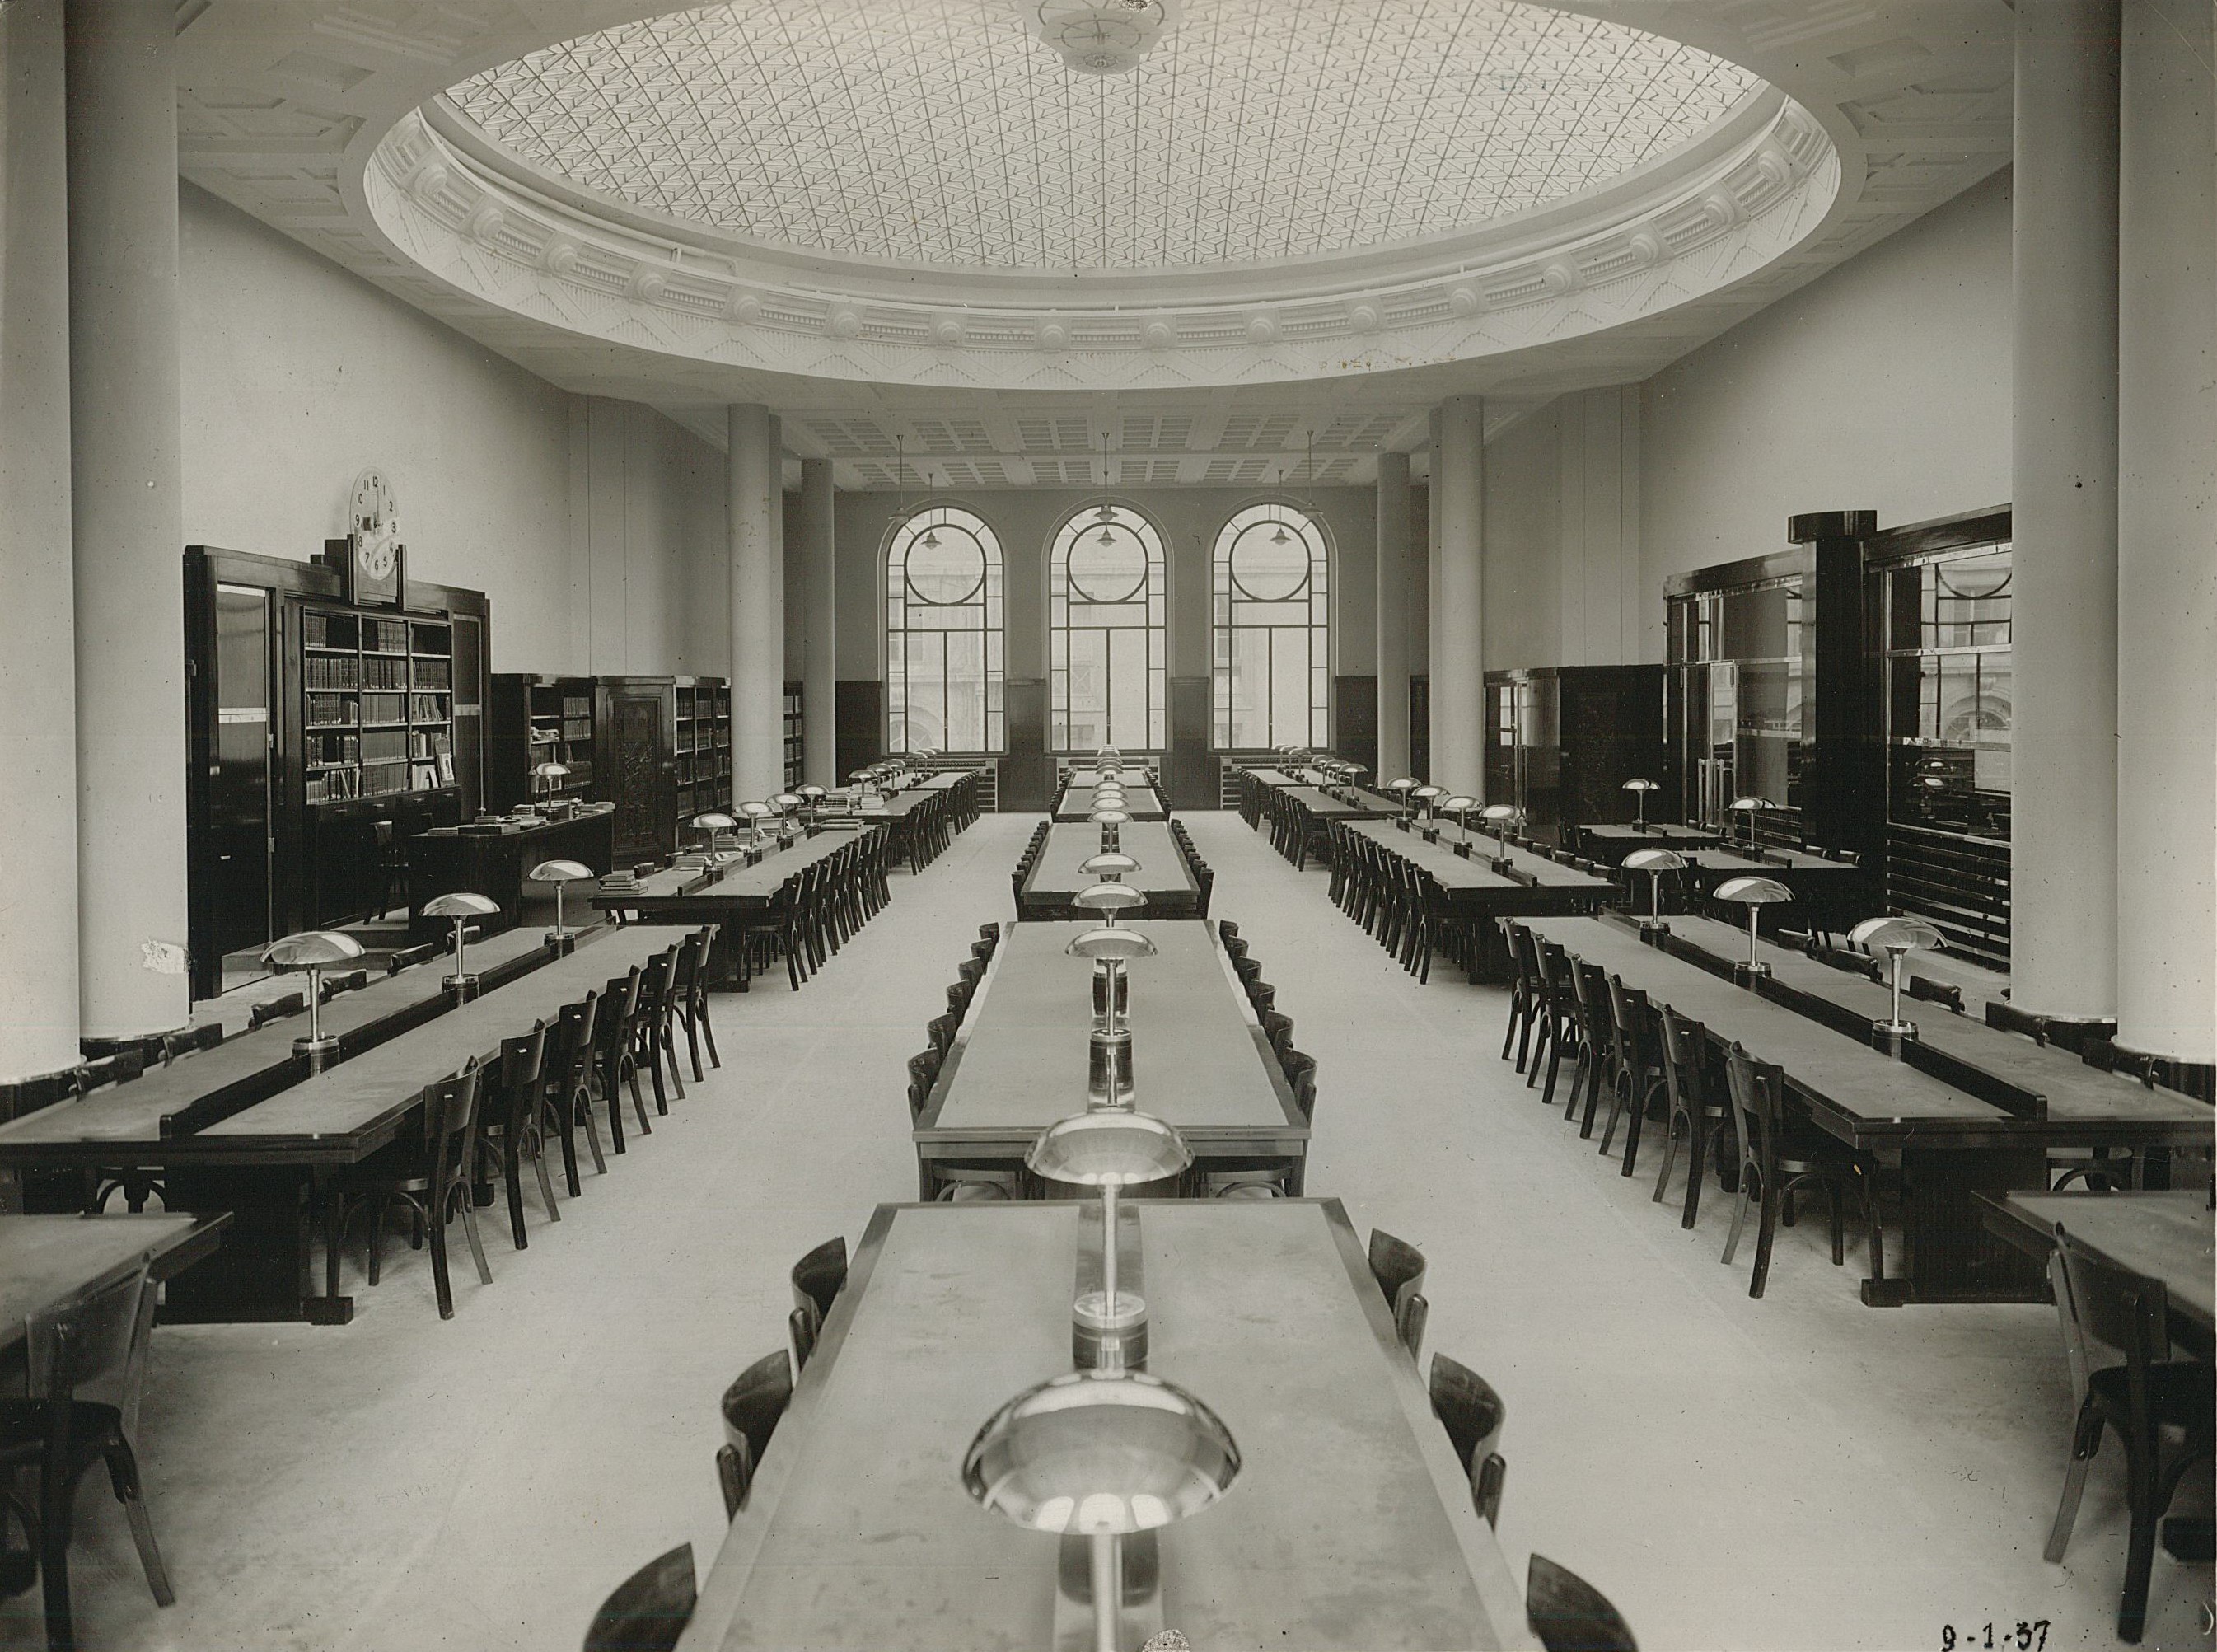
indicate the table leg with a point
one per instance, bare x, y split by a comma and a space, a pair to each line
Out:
1949, 1255
262, 1272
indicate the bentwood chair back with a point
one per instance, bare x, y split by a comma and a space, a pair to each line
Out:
690, 992
1569, 1614
751, 1408
1596, 1039
1473, 1415
817, 1279
1685, 1048
2141, 1399
649, 1608
1398, 1267
922, 1074
1778, 1155
1638, 1075
58, 1437
616, 1031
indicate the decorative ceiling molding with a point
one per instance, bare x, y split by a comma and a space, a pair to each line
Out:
283, 111
1633, 253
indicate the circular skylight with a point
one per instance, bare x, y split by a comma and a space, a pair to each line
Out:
941, 133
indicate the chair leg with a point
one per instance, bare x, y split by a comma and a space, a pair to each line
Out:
692, 1042
1671, 1155
638, 1101
1739, 1214
2140, 1548
511, 1172
582, 1102
441, 1283
142, 1535
54, 1517
2084, 1442
564, 1124
708, 1033
334, 1238
1766, 1231
1633, 1127
1697, 1160
469, 1233
546, 1182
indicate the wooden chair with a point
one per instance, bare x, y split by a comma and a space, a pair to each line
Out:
1597, 1041
276, 1009
649, 1608
1685, 1047
752, 1406
2139, 1399
430, 1174
1638, 1074
1473, 1415
654, 1031
1569, 1614
614, 1040
1779, 1156
689, 998
1555, 1016
57, 1438
1523, 990
567, 1098
922, 1074
510, 1125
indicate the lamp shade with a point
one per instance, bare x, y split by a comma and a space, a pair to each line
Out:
1659, 860
715, 820
1109, 1148
1106, 866
785, 800
1111, 946
1109, 899
1501, 814
1101, 1453
1876, 935
1405, 784
1459, 804
1110, 817
1753, 891
460, 903
1426, 794
756, 811
1638, 785
811, 793
1750, 805
550, 771
311, 949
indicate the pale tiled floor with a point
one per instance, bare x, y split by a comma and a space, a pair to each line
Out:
1797, 1472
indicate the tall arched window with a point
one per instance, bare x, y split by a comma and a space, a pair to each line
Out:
1272, 650
943, 638
1108, 654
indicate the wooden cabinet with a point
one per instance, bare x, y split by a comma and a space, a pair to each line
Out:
635, 761
1560, 741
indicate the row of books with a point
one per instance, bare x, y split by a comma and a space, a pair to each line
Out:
335, 670
383, 673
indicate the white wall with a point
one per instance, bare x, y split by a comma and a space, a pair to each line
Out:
595, 527
1884, 385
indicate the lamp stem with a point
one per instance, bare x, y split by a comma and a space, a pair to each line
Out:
315, 1005
1655, 896
1108, 1591
1109, 1281
1898, 957
1754, 957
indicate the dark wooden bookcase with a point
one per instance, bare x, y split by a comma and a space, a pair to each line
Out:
310, 721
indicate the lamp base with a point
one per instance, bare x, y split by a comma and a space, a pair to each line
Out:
1109, 1069
322, 1053
1101, 1339
1745, 971
1888, 1037
1653, 931
563, 942
463, 987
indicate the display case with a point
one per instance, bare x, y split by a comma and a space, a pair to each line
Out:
1938, 597
1560, 742
704, 746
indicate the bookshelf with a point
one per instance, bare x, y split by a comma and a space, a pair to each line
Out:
538, 719
377, 714
704, 746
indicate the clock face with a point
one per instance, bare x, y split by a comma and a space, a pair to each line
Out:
376, 534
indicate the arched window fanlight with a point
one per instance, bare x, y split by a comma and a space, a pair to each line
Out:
1271, 641
944, 635
1107, 647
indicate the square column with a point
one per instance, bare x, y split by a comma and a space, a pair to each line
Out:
754, 504
1458, 620
1393, 565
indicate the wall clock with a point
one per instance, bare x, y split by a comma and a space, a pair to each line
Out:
372, 565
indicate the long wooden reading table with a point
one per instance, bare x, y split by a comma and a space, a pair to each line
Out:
1054, 880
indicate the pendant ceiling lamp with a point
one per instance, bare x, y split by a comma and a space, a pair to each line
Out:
1099, 37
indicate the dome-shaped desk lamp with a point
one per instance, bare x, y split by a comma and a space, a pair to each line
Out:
1110, 1149
314, 951
1748, 808
1426, 798
715, 823
1458, 807
1640, 789
1503, 820
1102, 1456
1110, 821
812, 801
550, 776
560, 874
460, 905
1108, 1065
1897, 938
756, 813
1755, 893
1401, 788
1654, 863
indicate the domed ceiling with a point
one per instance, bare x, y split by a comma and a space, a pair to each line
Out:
949, 132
